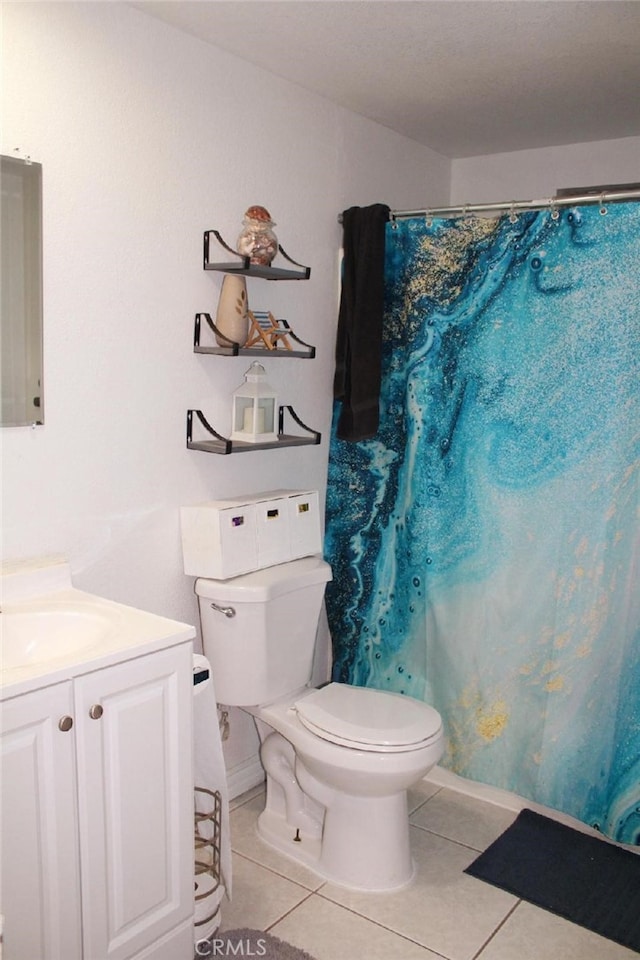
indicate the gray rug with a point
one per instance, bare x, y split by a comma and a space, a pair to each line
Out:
580, 877
245, 942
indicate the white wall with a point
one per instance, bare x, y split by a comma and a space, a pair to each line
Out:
537, 174
148, 137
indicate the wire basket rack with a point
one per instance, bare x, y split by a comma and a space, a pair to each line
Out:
207, 840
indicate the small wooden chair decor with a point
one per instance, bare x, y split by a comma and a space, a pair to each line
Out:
265, 330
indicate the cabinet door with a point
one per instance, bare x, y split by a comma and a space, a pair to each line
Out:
135, 790
40, 893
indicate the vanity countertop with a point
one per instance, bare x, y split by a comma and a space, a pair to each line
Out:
52, 632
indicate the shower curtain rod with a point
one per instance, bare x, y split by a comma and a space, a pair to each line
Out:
510, 206
513, 205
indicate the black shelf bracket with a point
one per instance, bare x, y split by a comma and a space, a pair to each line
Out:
219, 440
242, 265
233, 349
221, 445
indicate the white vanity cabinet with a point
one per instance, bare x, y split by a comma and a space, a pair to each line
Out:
40, 891
97, 818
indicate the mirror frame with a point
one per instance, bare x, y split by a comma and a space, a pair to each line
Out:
21, 353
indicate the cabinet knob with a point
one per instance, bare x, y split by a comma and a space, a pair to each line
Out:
96, 711
65, 723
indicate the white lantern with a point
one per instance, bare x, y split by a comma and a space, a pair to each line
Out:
255, 408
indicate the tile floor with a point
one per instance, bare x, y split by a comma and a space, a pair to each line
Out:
443, 914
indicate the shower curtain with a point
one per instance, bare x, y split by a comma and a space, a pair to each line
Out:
484, 544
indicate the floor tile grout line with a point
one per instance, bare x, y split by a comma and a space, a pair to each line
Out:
288, 913
478, 955
443, 836
236, 803
277, 873
376, 923
238, 806
424, 802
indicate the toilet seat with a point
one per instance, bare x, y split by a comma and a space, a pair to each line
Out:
366, 719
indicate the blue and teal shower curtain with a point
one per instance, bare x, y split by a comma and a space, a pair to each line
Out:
484, 544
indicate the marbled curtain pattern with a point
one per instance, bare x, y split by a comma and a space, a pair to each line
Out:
485, 544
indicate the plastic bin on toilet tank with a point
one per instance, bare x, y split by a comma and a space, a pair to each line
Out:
260, 644
227, 538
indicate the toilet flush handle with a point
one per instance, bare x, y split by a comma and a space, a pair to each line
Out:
228, 611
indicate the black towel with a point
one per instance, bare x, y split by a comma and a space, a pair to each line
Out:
359, 339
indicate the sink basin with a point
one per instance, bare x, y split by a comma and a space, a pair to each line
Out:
37, 634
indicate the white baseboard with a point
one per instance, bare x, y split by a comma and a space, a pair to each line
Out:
243, 776
503, 798
479, 791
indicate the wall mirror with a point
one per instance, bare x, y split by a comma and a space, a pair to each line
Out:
21, 298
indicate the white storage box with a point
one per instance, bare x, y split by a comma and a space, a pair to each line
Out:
226, 538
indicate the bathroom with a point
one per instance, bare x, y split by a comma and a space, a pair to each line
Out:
147, 137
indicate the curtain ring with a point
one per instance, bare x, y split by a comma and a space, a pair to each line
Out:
428, 219
603, 209
513, 217
394, 224
553, 210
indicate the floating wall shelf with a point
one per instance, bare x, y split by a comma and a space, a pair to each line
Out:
219, 444
305, 351
242, 265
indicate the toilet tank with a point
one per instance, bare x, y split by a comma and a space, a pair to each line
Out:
259, 630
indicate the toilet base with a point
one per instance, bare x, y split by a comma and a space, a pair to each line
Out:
274, 830
364, 847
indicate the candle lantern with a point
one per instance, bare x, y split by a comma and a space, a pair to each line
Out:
255, 408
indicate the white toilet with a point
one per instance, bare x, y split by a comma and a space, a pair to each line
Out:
338, 759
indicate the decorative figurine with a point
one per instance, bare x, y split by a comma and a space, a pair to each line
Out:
266, 331
257, 240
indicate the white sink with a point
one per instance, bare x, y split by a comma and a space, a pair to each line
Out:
37, 633
51, 632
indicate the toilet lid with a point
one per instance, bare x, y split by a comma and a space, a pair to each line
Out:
368, 719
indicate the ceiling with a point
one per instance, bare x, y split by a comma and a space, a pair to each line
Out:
464, 77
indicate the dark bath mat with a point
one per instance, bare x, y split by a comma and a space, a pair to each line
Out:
580, 877
246, 942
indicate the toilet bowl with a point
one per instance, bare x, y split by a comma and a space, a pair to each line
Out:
338, 759
360, 786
